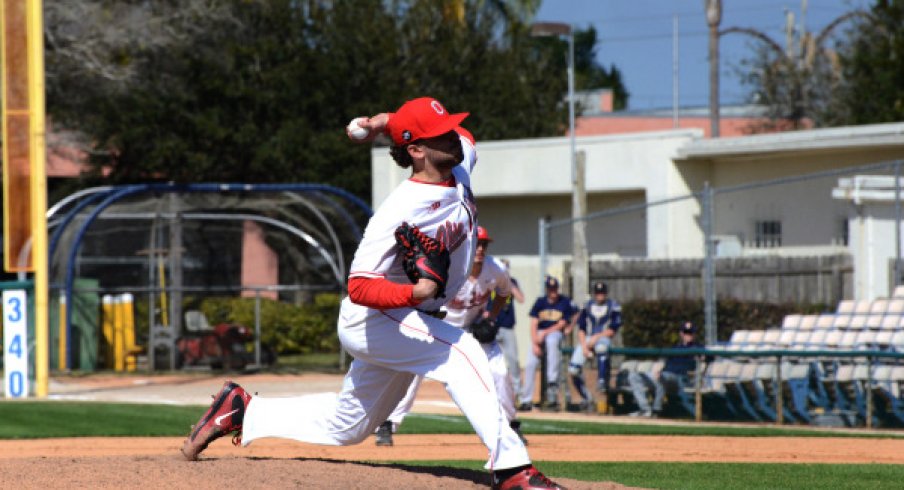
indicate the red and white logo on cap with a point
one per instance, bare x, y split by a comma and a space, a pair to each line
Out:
438, 107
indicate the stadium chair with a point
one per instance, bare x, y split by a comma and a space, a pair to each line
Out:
862, 307
890, 323
770, 338
761, 391
739, 338
883, 339
832, 382
817, 340
882, 391
866, 340
888, 387
846, 306
874, 322
796, 389
826, 321
791, 321
879, 306
898, 292
848, 340
801, 340
843, 321
895, 306
897, 341
807, 322
716, 405
858, 322
737, 372
755, 340
786, 338
853, 387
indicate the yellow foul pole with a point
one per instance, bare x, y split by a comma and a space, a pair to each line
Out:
38, 193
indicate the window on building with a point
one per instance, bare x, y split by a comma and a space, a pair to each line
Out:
767, 234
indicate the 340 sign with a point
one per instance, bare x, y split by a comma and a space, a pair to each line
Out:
15, 344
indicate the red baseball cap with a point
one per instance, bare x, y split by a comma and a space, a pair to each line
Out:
482, 235
421, 118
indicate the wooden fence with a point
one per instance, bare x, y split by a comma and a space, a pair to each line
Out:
816, 279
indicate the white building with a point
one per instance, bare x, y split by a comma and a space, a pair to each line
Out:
519, 181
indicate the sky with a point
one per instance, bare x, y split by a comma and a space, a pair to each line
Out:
637, 37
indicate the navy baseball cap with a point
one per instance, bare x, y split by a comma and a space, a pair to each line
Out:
552, 282
688, 327
600, 287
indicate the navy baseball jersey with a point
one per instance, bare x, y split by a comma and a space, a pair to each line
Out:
597, 317
549, 313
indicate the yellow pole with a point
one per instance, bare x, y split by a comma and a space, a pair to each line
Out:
107, 324
118, 337
62, 337
128, 327
164, 311
38, 194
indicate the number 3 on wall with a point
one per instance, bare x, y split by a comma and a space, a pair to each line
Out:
15, 344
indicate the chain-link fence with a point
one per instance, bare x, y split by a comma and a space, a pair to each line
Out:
806, 234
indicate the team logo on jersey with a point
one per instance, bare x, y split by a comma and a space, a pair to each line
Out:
451, 234
435, 206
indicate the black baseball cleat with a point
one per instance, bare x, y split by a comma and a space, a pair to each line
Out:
526, 479
384, 434
225, 416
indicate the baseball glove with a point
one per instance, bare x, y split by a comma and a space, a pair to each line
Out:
484, 330
423, 257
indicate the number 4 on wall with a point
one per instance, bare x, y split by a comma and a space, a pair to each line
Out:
15, 347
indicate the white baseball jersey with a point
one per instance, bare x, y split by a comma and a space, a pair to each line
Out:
447, 214
472, 298
392, 347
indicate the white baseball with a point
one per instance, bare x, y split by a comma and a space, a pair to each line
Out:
355, 131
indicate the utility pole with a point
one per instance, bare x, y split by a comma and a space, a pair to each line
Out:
713, 18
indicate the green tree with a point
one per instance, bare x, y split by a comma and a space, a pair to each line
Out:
260, 91
589, 74
871, 89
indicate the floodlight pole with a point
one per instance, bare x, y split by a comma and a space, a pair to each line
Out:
579, 273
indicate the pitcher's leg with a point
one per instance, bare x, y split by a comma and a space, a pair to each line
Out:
439, 351
405, 405
369, 394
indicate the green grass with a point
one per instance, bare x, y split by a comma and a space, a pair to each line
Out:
456, 424
715, 476
40, 419
36, 420
318, 362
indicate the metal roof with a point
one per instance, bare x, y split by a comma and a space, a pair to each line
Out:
886, 136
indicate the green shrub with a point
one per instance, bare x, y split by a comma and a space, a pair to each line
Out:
288, 328
655, 323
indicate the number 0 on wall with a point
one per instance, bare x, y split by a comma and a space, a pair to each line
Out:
15, 344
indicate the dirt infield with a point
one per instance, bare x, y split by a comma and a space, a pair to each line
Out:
157, 463
138, 462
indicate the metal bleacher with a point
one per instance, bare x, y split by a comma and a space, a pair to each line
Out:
829, 383
834, 388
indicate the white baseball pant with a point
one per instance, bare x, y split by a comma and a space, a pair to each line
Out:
391, 347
